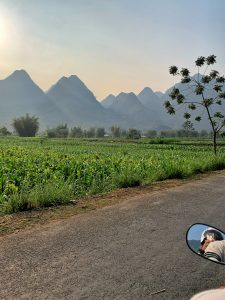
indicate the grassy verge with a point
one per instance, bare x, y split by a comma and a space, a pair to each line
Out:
36, 174
10, 223
56, 193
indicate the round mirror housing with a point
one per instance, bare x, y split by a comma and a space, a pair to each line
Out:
207, 241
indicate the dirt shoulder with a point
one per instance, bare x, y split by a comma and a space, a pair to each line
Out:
29, 219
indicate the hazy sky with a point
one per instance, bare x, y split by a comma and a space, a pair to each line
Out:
196, 231
111, 45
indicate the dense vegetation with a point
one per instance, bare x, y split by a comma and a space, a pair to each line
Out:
27, 126
39, 172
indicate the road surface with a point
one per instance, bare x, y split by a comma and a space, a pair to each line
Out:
125, 251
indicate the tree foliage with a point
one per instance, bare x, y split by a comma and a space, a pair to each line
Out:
134, 133
100, 132
4, 131
151, 133
89, 133
115, 131
76, 132
26, 126
61, 131
200, 86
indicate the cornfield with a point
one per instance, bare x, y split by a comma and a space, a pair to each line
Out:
43, 172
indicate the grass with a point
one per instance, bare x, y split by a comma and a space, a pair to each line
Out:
36, 173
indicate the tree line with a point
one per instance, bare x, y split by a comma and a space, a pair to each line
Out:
28, 126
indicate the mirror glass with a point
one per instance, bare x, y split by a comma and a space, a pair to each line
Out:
207, 241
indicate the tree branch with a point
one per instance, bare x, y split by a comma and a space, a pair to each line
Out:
218, 129
207, 109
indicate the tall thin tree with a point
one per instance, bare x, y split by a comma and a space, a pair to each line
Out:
208, 95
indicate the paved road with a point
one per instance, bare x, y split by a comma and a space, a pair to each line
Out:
126, 251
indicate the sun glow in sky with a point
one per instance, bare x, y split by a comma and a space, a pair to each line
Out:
113, 46
7, 30
3, 30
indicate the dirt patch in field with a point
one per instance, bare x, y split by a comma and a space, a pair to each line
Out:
23, 220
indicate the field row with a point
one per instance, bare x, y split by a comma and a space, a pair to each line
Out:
35, 173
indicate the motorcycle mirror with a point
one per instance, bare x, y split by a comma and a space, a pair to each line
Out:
207, 241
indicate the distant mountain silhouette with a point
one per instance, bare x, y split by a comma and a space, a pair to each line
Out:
108, 101
70, 101
156, 105
76, 101
159, 94
149, 99
125, 101
80, 106
142, 117
20, 95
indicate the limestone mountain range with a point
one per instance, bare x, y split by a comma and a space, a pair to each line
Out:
70, 101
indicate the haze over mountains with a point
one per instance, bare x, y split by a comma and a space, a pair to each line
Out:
20, 95
70, 101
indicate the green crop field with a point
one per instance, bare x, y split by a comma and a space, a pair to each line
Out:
37, 172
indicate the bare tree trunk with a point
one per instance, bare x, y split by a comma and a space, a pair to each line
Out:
214, 142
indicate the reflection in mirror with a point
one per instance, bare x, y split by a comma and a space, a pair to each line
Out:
207, 241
